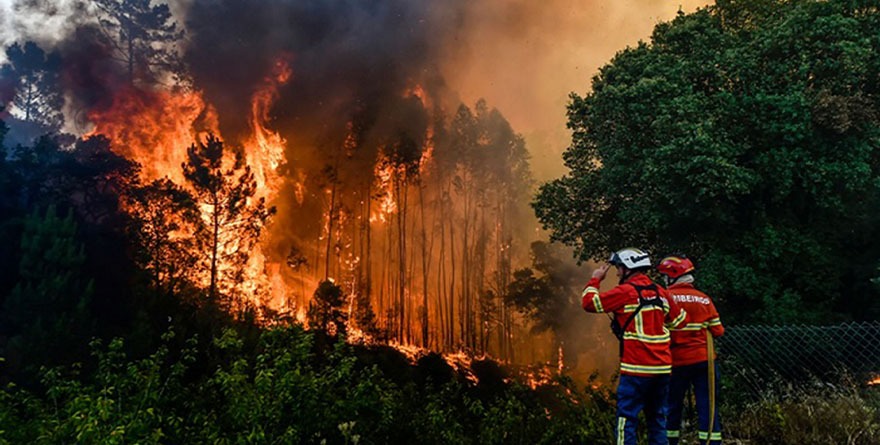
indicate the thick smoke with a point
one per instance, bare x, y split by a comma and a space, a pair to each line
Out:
346, 55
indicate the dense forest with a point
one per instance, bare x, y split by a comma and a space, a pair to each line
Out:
311, 248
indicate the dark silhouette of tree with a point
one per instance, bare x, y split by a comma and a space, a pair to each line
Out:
163, 217
47, 311
98, 178
224, 189
143, 37
10, 191
547, 293
44, 170
37, 96
325, 309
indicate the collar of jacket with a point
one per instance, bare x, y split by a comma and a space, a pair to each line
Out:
681, 286
637, 278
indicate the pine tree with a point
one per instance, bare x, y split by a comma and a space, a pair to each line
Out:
35, 78
224, 188
142, 37
48, 310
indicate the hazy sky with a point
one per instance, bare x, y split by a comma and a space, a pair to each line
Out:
524, 57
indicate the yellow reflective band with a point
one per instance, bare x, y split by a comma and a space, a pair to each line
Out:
673, 434
691, 327
647, 308
703, 435
645, 338
715, 322
646, 369
621, 428
597, 302
677, 320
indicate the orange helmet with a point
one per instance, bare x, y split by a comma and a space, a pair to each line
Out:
675, 266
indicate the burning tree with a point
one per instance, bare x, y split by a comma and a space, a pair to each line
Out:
232, 218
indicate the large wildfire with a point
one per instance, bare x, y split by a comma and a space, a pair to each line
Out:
425, 244
382, 180
378, 178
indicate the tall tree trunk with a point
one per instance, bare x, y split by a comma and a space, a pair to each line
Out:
330, 218
215, 248
401, 249
425, 255
452, 273
442, 296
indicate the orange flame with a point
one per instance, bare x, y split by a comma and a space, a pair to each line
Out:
874, 381
154, 128
267, 147
387, 205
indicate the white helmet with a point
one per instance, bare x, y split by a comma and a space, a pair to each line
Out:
630, 258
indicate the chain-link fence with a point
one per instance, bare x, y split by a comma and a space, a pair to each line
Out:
763, 357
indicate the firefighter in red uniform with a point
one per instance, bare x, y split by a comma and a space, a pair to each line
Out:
690, 352
642, 314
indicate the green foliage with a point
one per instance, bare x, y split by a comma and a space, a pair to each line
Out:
47, 310
123, 401
286, 389
818, 416
745, 134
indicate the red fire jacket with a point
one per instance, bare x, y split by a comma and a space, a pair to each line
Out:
646, 339
689, 341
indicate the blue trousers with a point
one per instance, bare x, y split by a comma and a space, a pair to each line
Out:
696, 376
635, 394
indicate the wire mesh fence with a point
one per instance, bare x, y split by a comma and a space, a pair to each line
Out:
760, 358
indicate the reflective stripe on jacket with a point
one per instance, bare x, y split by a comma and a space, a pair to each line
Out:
689, 341
646, 340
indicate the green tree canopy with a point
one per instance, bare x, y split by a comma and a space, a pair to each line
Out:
35, 79
48, 309
746, 135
